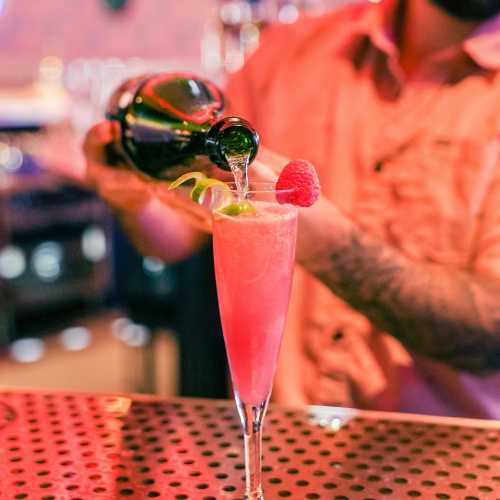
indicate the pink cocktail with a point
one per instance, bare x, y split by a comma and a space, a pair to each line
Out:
254, 255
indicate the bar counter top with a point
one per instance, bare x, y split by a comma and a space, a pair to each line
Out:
70, 446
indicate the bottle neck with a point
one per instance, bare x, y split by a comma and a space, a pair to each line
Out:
229, 138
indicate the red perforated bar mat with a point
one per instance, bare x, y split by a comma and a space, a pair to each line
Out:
69, 446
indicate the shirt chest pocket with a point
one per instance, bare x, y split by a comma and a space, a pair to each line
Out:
426, 195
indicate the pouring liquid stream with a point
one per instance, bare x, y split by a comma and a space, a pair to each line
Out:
239, 167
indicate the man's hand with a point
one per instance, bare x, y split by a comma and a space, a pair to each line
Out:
163, 223
124, 189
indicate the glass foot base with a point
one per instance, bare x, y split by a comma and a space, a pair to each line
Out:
254, 496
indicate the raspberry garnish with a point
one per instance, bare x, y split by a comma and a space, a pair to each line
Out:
301, 183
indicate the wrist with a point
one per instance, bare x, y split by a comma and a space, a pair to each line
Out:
322, 228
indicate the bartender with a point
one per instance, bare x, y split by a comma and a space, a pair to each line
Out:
397, 303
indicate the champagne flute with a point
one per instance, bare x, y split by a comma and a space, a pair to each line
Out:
254, 254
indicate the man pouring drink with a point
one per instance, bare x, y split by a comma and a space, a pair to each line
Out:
396, 303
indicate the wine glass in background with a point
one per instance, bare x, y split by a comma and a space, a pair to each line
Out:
90, 83
234, 29
87, 84
254, 256
232, 33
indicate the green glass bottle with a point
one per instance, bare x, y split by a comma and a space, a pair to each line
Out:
169, 119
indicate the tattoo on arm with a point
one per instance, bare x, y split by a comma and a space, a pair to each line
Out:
445, 313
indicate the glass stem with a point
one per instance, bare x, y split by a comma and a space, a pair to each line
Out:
252, 417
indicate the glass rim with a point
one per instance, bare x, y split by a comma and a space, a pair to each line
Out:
259, 187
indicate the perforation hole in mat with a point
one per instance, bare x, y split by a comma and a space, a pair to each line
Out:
70, 447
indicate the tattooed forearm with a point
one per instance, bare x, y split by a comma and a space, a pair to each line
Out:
438, 311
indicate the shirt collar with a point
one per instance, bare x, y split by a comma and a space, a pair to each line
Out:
378, 21
484, 44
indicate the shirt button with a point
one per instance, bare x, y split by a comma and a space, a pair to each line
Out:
337, 335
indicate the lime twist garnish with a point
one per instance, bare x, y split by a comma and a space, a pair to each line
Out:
203, 183
238, 208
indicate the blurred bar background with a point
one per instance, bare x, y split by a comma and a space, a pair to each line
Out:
79, 308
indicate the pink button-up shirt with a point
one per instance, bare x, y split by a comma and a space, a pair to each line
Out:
411, 161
